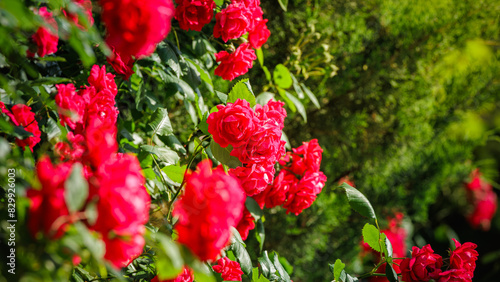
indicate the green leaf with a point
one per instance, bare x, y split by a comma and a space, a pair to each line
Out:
219, 2
175, 173
254, 208
164, 154
52, 129
20, 133
169, 57
223, 155
204, 75
267, 73
371, 236
282, 77
260, 56
203, 125
169, 260
296, 87
337, 269
358, 201
49, 81
160, 123
260, 234
264, 97
311, 95
76, 189
94, 245
279, 268
241, 254
288, 102
91, 212
256, 277
242, 90
221, 96
387, 247
267, 266
298, 104
392, 276
283, 4
203, 274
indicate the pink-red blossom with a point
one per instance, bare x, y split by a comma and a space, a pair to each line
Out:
229, 270
122, 65
194, 14
302, 195
71, 106
259, 34
23, 116
46, 37
254, 178
236, 63
246, 224
423, 265
464, 257
233, 21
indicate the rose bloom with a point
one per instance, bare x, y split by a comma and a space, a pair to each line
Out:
122, 65
23, 116
212, 202
454, 275
229, 270
71, 106
100, 141
302, 195
185, 276
235, 64
102, 80
246, 224
273, 111
232, 124
134, 27
233, 21
254, 177
312, 154
45, 38
464, 257
484, 211
194, 14
276, 194
47, 205
73, 151
423, 265
259, 34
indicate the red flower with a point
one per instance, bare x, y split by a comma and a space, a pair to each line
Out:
71, 105
194, 14
422, 266
212, 202
232, 124
135, 26
101, 109
86, 6
229, 270
246, 224
122, 65
100, 140
276, 194
123, 208
102, 80
45, 38
233, 21
272, 111
185, 276
484, 211
454, 275
235, 64
48, 204
311, 152
464, 257
73, 151
254, 178
302, 195
259, 34
23, 116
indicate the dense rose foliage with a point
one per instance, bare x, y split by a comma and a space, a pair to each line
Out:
236, 63
464, 257
47, 205
423, 265
229, 270
233, 21
194, 14
212, 203
134, 27
233, 124
46, 37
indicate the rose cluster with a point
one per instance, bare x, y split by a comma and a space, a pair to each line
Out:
212, 203
397, 236
425, 265
299, 181
484, 200
115, 180
229, 270
237, 18
21, 115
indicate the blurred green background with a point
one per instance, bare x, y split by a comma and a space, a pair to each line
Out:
409, 95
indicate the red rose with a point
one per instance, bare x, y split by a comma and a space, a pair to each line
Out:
476, 182
122, 65
101, 109
23, 116
212, 202
484, 211
194, 14
134, 27
254, 177
100, 140
229, 270
272, 111
73, 151
255, 10
235, 64
102, 80
122, 208
232, 124
454, 275
233, 21
259, 34
276, 194
71, 105
185, 276
302, 195
422, 266
48, 204
464, 257
45, 38
312, 154
246, 224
